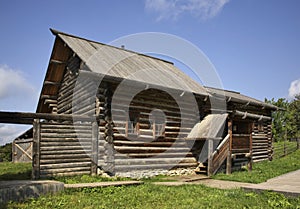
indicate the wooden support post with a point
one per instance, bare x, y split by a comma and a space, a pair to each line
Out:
109, 152
284, 145
229, 159
13, 150
36, 149
210, 160
250, 163
94, 156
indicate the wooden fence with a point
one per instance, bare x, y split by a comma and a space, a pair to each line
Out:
22, 150
281, 149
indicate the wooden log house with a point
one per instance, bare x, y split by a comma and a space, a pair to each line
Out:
104, 108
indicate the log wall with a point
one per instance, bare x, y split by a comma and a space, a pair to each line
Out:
262, 141
65, 149
142, 148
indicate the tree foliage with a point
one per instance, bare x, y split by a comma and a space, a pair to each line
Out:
286, 121
6, 152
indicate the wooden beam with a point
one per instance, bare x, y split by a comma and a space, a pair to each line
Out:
210, 162
94, 155
59, 62
229, 159
27, 118
36, 149
24, 151
12, 120
44, 96
52, 83
251, 115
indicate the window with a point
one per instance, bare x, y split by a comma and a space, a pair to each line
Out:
158, 129
132, 124
157, 119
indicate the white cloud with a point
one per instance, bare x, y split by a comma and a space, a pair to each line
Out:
172, 9
13, 83
294, 88
9, 132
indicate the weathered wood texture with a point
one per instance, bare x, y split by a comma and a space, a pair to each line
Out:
77, 93
142, 147
219, 155
36, 149
262, 141
65, 149
22, 150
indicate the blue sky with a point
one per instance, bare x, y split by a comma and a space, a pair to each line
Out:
253, 44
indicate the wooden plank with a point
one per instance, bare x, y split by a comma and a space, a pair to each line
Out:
94, 154
23, 151
48, 116
229, 159
36, 149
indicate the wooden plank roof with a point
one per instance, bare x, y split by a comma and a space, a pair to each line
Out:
124, 64
117, 62
237, 97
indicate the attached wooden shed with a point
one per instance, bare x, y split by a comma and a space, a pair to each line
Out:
144, 114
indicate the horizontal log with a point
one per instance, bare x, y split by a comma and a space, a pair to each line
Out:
65, 165
46, 175
124, 168
155, 160
63, 156
148, 155
66, 131
139, 143
70, 140
61, 135
70, 125
13, 120
47, 116
73, 152
70, 160
251, 115
64, 143
62, 170
45, 149
150, 149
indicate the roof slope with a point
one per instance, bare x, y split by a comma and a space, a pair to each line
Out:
125, 64
239, 98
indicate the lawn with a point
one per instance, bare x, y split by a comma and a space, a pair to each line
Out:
265, 170
15, 171
154, 196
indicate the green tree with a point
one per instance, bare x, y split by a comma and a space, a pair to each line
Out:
295, 111
6, 152
282, 120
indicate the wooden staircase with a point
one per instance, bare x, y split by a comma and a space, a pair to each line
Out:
216, 159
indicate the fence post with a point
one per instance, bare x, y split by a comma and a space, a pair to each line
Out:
36, 149
284, 144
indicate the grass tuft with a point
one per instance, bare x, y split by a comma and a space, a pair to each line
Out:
262, 171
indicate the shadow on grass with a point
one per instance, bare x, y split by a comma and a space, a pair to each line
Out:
15, 171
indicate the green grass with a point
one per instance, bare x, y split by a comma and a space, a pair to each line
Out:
154, 196
15, 171
87, 179
278, 148
265, 170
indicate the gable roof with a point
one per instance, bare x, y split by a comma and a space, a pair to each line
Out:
124, 64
